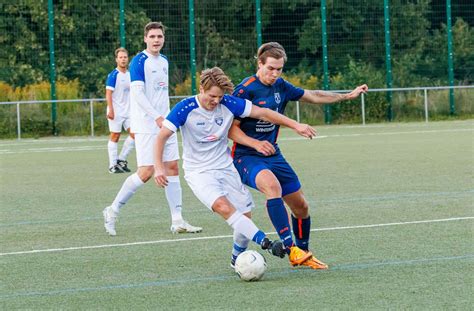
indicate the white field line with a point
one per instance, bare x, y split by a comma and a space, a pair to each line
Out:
51, 250
103, 147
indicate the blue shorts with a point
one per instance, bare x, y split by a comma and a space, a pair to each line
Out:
249, 167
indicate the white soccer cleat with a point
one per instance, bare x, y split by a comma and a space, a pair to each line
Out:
184, 227
109, 220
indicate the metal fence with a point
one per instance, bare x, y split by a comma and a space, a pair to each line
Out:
93, 102
330, 44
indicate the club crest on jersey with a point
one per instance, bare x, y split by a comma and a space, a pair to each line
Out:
219, 121
277, 98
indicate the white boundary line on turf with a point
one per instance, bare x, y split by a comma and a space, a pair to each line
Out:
103, 147
51, 250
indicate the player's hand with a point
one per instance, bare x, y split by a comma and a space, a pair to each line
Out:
159, 121
305, 130
265, 147
160, 178
357, 91
110, 114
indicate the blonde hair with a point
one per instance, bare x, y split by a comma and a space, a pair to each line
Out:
271, 49
216, 77
120, 50
153, 25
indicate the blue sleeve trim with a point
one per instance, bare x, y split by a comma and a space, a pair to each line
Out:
137, 68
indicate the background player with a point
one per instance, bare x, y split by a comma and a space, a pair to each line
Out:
149, 102
205, 120
258, 158
117, 93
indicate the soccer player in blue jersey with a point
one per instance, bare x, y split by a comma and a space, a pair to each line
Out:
259, 160
205, 121
117, 93
149, 105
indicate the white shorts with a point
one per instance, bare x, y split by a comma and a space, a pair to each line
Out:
210, 185
145, 149
115, 125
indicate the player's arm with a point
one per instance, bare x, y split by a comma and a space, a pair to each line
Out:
138, 92
274, 117
160, 176
110, 106
238, 136
325, 97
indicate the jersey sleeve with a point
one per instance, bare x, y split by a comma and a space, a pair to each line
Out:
111, 80
137, 70
294, 93
241, 92
178, 115
239, 107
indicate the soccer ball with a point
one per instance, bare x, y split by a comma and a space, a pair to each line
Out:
250, 266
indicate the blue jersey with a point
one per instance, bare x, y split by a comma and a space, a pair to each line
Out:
274, 97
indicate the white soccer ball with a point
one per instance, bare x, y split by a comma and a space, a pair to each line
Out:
250, 266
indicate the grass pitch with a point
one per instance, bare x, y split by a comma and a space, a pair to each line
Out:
392, 210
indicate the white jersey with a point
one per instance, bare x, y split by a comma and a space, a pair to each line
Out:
205, 132
119, 83
149, 98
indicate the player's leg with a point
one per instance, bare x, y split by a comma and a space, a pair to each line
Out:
301, 222
145, 162
127, 147
208, 187
173, 191
112, 148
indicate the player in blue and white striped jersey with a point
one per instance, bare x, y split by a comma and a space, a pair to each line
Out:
117, 93
149, 105
205, 121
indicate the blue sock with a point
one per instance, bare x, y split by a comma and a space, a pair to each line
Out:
258, 237
301, 229
279, 217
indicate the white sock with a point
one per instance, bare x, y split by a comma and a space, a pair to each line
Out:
126, 148
112, 147
243, 225
175, 198
129, 187
240, 244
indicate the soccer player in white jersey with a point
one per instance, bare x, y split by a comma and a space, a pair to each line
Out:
117, 93
205, 121
149, 105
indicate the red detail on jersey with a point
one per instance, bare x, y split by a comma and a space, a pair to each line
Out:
284, 229
300, 227
249, 81
232, 152
241, 91
262, 102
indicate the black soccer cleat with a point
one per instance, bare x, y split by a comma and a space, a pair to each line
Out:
123, 164
273, 247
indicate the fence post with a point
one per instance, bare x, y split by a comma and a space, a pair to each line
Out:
425, 91
92, 117
298, 110
52, 64
388, 58
450, 57
192, 43
258, 16
18, 122
362, 106
327, 108
122, 23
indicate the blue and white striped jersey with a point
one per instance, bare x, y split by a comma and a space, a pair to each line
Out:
205, 132
149, 75
119, 83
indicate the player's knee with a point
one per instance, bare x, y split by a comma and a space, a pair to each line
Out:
223, 207
271, 189
145, 172
172, 168
114, 137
